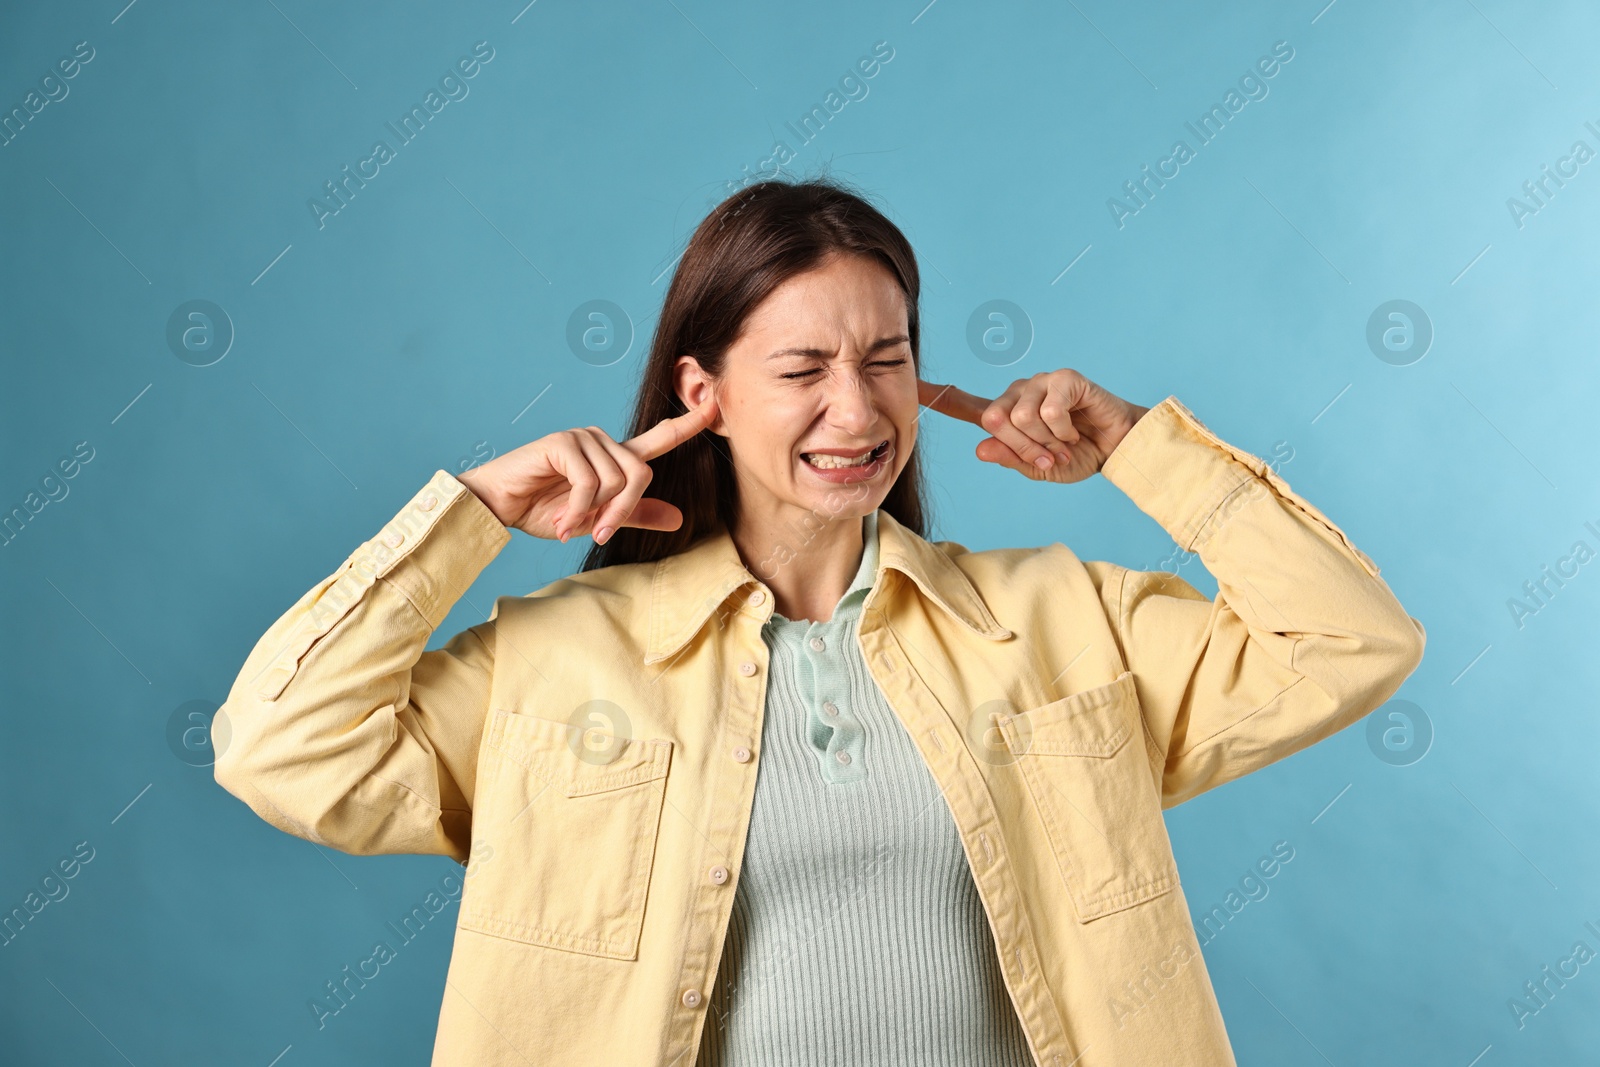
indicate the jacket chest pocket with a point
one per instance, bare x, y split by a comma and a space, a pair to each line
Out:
573, 832
1092, 790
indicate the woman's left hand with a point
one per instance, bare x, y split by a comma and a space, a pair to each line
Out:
1059, 415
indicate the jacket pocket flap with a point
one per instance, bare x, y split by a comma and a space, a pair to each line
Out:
577, 762
1094, 722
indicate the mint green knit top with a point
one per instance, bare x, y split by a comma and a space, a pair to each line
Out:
857, 935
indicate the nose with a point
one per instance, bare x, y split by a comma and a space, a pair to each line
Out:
848, 396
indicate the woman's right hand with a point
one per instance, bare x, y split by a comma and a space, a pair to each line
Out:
574, 481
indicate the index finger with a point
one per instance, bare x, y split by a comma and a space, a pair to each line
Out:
948, 400
668, 434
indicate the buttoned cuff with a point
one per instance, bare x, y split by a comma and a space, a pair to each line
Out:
432, 551
1179, 473
439, 549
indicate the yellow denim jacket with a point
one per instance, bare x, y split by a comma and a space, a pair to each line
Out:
590, 751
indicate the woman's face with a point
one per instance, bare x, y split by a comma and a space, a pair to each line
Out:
823, 365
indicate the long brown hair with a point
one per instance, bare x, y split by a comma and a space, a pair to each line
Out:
745, 248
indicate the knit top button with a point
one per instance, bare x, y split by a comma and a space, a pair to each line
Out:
428, 503
829, 709
842, 756
817, 644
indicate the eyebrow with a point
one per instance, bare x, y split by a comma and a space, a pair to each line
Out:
817, 353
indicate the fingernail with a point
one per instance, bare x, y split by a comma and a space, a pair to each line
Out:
1063, 457
1043, 462
603, 534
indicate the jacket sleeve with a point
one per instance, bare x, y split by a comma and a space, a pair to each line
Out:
340, 728
1302, 639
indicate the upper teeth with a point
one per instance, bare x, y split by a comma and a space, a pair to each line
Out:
825, 461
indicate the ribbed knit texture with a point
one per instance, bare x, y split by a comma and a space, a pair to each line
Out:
857, 935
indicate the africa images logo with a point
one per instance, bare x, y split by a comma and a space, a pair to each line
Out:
453, 86
1206, 128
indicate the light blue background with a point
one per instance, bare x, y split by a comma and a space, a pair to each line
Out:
427, 315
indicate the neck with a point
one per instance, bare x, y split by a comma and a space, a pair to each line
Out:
806, 565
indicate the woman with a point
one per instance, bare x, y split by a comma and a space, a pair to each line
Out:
954, 851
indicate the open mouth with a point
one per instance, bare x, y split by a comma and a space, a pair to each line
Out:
823, 461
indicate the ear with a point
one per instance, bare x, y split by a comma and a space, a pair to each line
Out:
692, 385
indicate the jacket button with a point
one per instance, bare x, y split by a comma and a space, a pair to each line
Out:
691, 998
392, 539
719, 874
747, 668
758, 597
428, 502
741, 755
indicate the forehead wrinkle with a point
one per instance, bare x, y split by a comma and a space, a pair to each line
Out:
818, 353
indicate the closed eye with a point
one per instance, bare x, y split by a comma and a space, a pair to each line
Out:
817, 370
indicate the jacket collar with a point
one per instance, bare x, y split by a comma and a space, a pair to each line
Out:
689, 586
